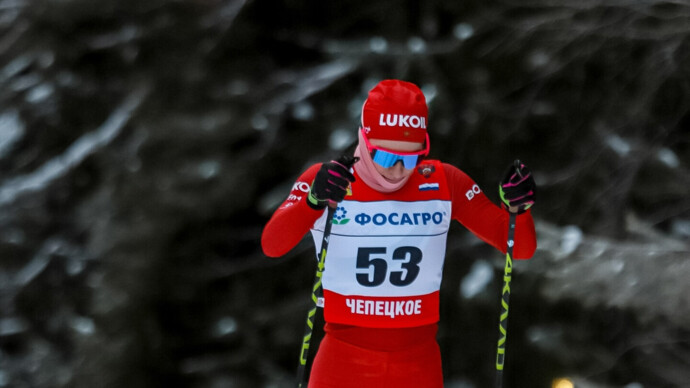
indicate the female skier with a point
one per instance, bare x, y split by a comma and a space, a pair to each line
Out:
387, 245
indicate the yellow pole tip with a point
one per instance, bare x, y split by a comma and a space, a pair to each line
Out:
562, 383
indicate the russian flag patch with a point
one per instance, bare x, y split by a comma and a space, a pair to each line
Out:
428, 187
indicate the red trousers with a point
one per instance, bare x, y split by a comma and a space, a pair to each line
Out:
339, 364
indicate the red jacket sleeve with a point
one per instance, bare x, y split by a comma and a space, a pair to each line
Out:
292, 220
486, 220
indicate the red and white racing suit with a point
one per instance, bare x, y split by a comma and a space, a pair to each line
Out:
383, 270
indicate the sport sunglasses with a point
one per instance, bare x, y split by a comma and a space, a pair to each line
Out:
387, 158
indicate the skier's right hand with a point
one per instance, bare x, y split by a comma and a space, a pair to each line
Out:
330, 184
517, 188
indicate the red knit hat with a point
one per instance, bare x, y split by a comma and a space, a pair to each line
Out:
395, 110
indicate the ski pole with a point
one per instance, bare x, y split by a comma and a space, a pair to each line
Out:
505, 298
317, 289
316, 296
505, 295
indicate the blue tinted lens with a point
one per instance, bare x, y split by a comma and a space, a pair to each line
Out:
410, 161
384, 159
387, 159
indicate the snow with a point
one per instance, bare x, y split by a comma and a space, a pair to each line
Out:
16, 66
570, 240
4, 378
621, 146
34, 268
11, 130
430, 91
539, 59
644, 277
11, 326
260, 122
303, 111
668, 157
340, 139
74, 155
225, 326
681, 228
416, 45
476, 281
378, 44
463, 31
209, 169
83, 325
125, 35
40, 93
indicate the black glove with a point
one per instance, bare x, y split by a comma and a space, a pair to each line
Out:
517, 189
331, 182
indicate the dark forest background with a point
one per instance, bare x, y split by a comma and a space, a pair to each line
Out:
144, 144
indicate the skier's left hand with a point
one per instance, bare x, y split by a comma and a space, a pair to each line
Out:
517, 189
